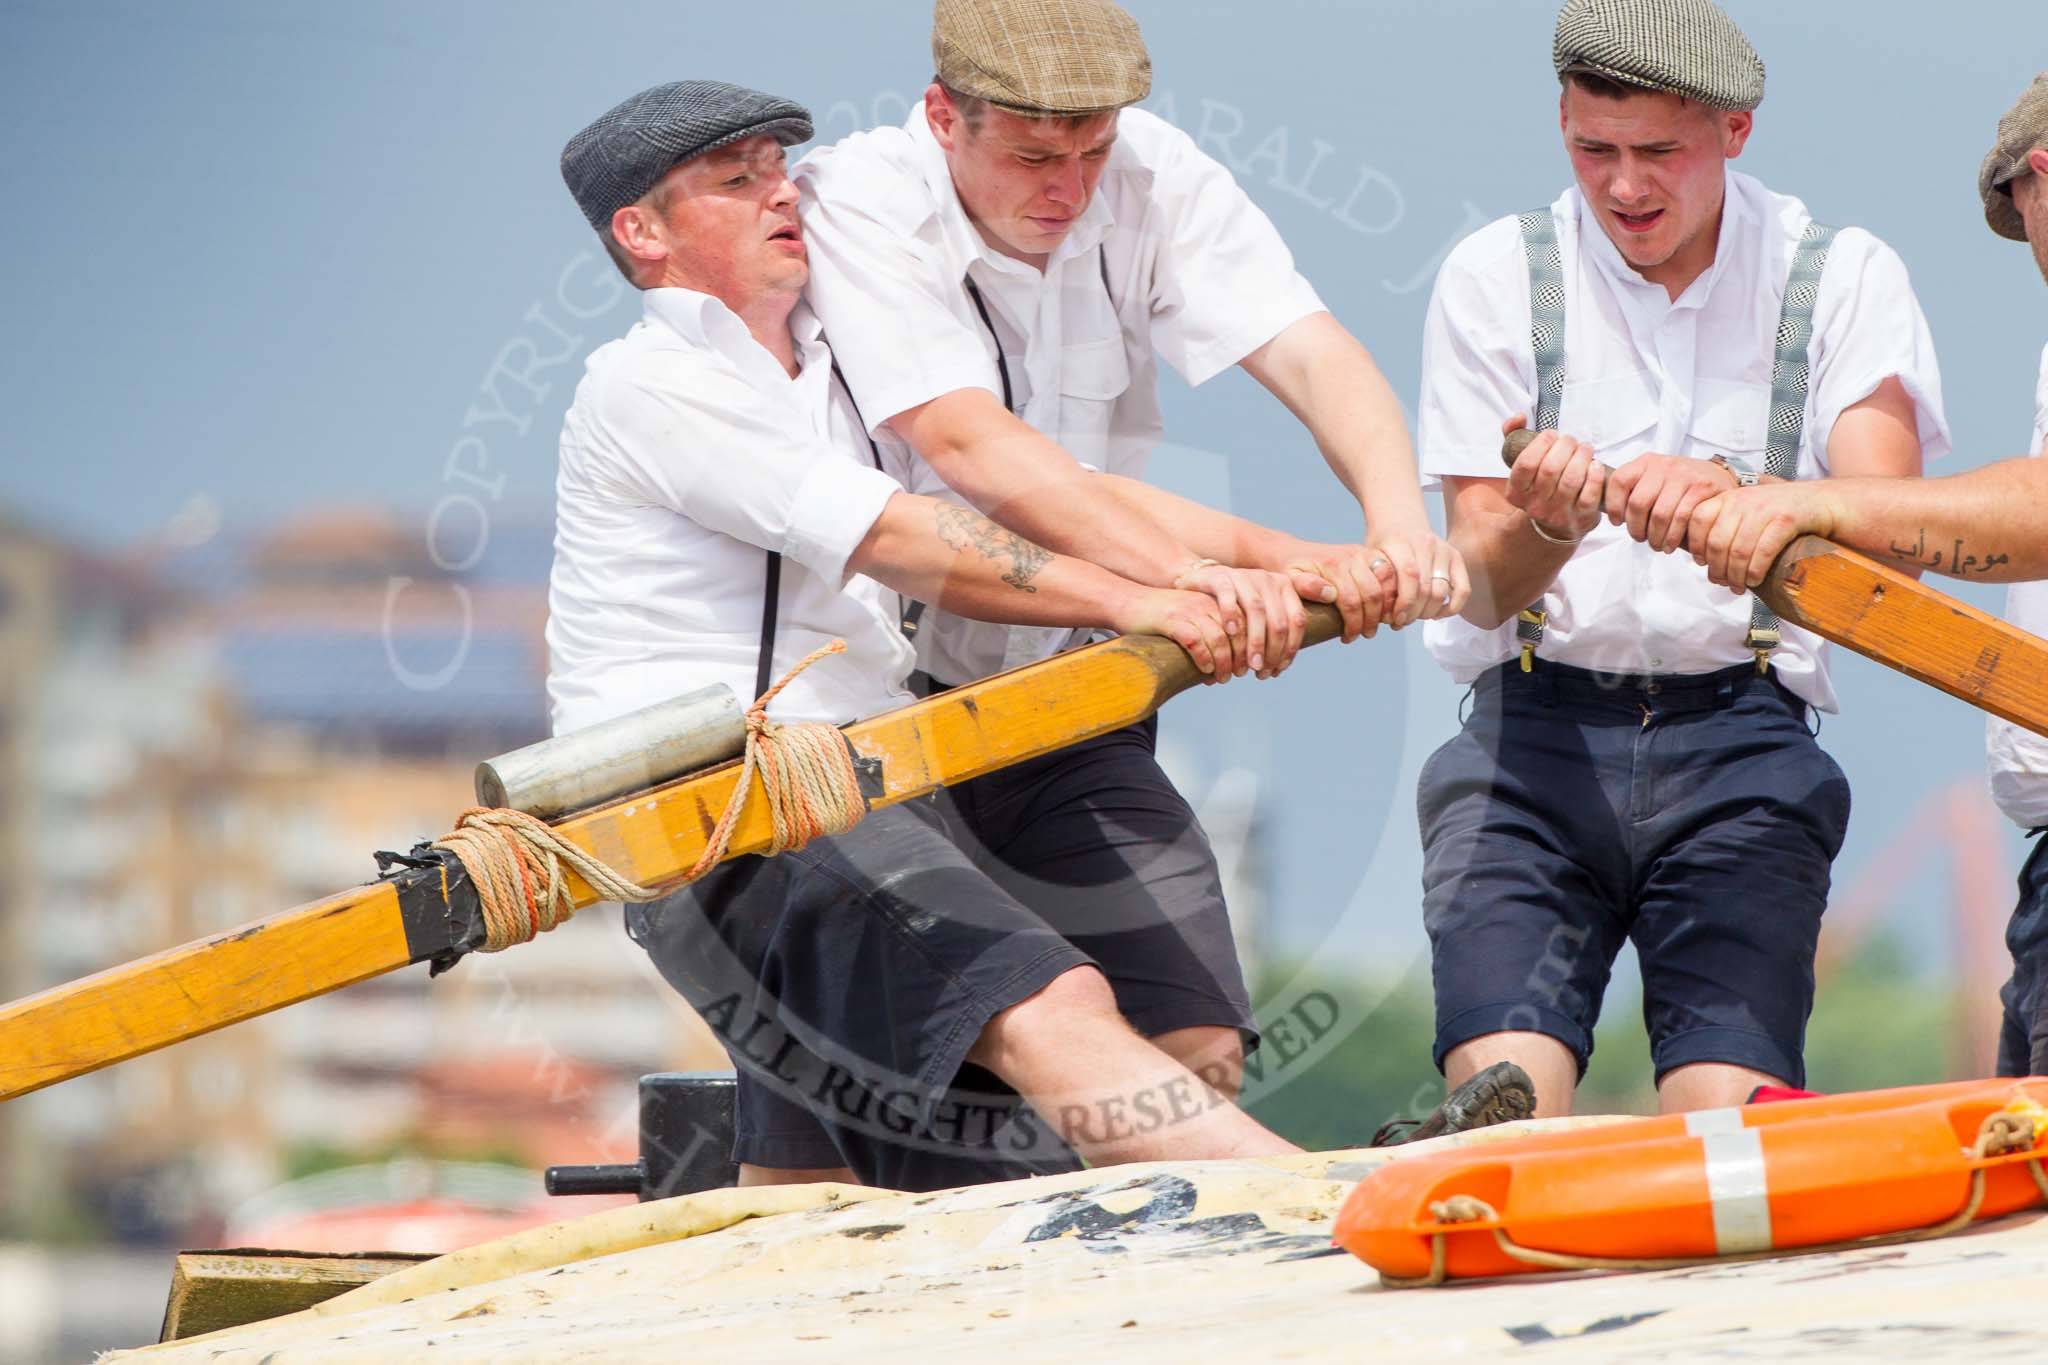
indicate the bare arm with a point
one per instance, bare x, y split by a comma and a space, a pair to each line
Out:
1878, 438
1556, 483
1330, 383
1984, 525
1024, 480
953, 556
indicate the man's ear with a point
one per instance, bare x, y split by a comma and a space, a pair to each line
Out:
942, 115
638, 234
2038, 159
1738, 127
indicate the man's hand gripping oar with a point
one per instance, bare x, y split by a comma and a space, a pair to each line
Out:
1887, 616
428, 911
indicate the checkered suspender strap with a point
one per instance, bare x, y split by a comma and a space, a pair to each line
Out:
1790, 380
1546, 336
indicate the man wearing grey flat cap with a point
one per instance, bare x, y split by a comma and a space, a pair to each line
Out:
1985, 525
1001, 276
893, 1007
1638, 766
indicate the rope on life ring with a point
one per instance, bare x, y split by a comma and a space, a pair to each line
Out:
2002, 1134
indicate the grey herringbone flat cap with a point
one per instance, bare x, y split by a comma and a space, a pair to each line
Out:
1681, 47
2023, 130
618, 158
1041, 56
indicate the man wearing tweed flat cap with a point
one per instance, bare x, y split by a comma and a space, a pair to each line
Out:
721, 515
1985, 525
1001, 276
1638, 764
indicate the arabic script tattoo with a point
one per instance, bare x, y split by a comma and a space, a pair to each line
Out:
963, 529
1956, 561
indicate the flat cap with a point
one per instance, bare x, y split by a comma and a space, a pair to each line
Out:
620, 157
1041, 56
2022, 131
1679, 47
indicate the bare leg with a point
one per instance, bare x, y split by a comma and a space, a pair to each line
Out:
1215, 1054
1709, 1085
1550, 1065
1113, 1096
771, 1175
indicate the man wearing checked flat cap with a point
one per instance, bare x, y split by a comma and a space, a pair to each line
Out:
1986, 525
899, 1013
1000, 277
1638, 764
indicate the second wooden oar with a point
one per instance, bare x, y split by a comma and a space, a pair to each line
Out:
425, 910
1902, 623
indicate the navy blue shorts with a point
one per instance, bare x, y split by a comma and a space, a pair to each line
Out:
2023, 1041
849, 979
1693, 816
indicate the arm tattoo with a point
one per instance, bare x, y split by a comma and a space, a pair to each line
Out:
1955, 561
964, 529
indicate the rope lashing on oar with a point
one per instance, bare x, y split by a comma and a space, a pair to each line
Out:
519, 864
2005, 1133
806, 771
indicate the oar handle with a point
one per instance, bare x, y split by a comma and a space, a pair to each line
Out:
1517, 441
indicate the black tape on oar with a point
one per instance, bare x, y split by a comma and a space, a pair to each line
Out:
437, 903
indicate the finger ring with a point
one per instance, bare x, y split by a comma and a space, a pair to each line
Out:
1439, 578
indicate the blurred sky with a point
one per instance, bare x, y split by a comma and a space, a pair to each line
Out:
262, 257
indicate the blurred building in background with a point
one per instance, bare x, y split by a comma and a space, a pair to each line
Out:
193, 737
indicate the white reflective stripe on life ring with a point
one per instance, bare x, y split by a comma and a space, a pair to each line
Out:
1740, 1189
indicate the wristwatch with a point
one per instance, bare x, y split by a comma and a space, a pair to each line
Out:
1745, 477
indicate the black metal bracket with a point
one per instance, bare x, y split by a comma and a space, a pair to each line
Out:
444, 920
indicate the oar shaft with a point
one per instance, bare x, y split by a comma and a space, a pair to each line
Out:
654, 838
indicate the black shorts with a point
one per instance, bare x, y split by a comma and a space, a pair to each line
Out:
849, 979
2023, 1034
1693, 816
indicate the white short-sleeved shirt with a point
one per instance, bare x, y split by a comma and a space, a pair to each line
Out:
1171, 258
1646, 373
2019, 758
687, 455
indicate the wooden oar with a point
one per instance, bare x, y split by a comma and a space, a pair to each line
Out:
1902, 623
428, 914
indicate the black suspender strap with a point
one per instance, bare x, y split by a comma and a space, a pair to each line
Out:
1002, 360
764, 670
913, 612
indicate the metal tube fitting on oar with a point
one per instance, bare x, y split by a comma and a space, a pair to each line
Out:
631, 753
519, 863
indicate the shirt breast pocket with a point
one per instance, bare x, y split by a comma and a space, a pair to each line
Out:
1093, 375
1733, 419
1615, 414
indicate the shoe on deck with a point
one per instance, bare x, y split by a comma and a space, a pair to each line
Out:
1502, 1093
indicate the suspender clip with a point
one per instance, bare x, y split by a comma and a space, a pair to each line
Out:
1762, 640
1529, 631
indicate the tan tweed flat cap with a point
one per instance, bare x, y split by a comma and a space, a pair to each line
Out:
1681, 47
1041, 56
2023, 130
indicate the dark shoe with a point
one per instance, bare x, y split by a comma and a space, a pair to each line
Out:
1502, 1093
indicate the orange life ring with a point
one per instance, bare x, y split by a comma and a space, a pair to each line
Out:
1728, 1182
